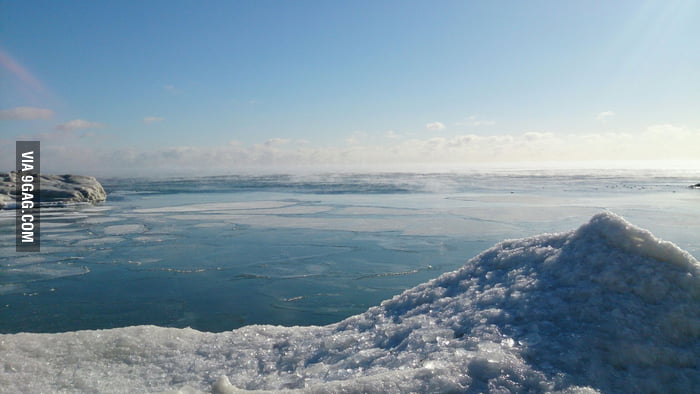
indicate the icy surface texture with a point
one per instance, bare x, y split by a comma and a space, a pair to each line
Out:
55, 189
607, 307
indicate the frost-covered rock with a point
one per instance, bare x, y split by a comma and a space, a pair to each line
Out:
55, 189
605, 308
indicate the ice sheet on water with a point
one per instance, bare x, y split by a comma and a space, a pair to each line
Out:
382, 211
54, 225
212, 225
519, 213
234, 214
97, 208
607, 307
34, 272
147, 239
99, 241
63, 236
100, 220
22, 260
418, 225
12, 288
62, 214
122, 229
458, 226
223, 206
317, 223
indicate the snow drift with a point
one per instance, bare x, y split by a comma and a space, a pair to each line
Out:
607, 307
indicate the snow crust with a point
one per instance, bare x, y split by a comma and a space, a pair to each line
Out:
605, 308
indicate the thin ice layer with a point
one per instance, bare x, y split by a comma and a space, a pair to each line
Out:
607, 307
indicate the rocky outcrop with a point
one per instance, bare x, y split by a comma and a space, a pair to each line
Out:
55, 189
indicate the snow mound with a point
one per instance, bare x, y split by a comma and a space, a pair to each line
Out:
607, 307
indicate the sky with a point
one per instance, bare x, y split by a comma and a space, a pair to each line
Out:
144, 87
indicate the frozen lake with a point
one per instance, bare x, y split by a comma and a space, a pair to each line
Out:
220, 253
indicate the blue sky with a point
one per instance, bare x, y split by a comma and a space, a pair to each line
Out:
183, 84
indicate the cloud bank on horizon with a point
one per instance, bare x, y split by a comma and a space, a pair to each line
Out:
303, 86
76, 152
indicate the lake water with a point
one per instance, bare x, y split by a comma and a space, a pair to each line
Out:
219, 253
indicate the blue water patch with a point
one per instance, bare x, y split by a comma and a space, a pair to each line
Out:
169, 270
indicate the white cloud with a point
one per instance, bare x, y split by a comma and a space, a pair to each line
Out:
276, 142
152, 119
25, 113
657, 142
357, 137
474, 121
667, 130
535, 136
605, 116
78, 124
391, 134
435, 126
